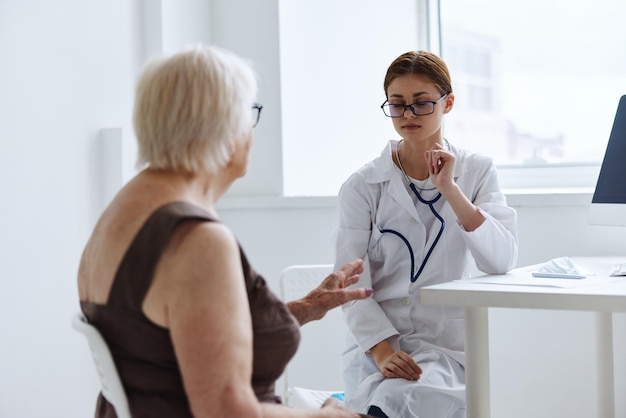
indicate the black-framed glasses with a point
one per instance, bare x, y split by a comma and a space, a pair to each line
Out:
397, 110
256, 113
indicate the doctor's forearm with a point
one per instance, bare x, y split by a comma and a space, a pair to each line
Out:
468, 215
381, 351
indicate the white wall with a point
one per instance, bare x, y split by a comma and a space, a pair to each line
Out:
67, 70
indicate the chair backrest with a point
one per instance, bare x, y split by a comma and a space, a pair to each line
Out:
112, 388
317, 363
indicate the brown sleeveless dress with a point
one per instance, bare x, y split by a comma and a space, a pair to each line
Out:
143, 351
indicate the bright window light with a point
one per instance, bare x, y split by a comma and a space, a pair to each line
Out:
334, 55
537, 82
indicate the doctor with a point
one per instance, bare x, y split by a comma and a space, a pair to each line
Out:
424, 212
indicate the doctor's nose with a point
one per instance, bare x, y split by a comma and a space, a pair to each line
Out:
409, 112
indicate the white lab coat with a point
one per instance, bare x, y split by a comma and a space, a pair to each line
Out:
374, 198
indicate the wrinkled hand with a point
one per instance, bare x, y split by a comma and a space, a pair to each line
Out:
334, 292
440, 164
331, 293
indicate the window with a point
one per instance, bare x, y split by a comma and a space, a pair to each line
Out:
334, 55
537, 83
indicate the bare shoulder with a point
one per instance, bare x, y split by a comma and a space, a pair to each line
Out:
202, 243
200, 271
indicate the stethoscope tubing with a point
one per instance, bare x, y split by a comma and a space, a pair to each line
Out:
430, 204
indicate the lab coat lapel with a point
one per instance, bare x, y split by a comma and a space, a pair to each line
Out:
398, 192
386, 171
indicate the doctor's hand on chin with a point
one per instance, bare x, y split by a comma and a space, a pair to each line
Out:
331, 293
440, 166
395, 364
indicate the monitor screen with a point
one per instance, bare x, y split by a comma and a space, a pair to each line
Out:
608, 206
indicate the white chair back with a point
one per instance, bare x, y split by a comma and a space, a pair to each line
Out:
111, 385
316, 371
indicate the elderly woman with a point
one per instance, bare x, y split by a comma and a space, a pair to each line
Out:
193, 329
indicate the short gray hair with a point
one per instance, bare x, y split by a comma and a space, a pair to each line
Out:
191, 107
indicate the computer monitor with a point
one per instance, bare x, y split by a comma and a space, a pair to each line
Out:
608, 206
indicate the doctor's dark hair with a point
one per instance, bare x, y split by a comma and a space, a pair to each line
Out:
422, 63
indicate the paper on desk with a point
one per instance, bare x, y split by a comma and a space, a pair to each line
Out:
523, 280
559, 272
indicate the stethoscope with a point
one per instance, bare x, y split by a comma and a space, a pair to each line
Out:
430, 203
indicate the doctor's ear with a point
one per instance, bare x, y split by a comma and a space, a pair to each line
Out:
449, 103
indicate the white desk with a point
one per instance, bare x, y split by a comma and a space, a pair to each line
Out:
476, 298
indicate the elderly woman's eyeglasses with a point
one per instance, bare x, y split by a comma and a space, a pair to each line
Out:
397, 110
256, 113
